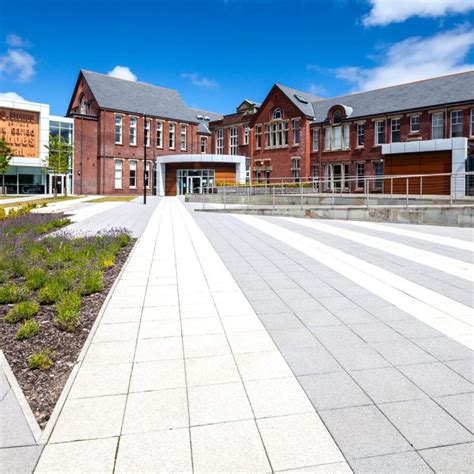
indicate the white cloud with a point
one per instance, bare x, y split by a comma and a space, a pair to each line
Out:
413, 59
317, 89
198, 80
384, 12
122, 72
16, 41
17, 63
10, 96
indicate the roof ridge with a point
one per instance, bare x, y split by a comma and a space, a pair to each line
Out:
299, 91
205, 110
128, 80
399, 85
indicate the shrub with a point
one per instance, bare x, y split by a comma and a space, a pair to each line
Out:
106, 260
3, 214
36, 278
11, 293
29, 329
68, 311
123, 239
21, 311
51, 292
91, 282
16, 265
42, 360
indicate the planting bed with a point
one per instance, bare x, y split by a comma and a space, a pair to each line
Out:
62, 338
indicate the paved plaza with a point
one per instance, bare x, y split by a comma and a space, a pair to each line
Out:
235, 343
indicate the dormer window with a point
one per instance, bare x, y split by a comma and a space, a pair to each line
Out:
83, 105
337, 117
277, 114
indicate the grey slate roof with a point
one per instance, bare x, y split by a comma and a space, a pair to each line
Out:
414, 95
203, 126
137, 97
292, 94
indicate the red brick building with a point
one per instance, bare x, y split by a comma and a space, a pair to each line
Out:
416, 128
119, 122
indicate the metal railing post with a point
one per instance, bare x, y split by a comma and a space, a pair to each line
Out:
273, 197
225, 197
421, 186
391, 187
366, 192
406, 189
301, 195
248, 197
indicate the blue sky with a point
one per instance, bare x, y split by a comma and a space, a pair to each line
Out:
217, 52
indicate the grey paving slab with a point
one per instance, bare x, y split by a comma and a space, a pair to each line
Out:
4, 385
310, 360
445, 349
402, 352
19, 460
450, 459
14, 429
425, 424
465, 368
375, 332
401, 463
387, 385
436, 379
460, 407
300, 337
321, 317
363, 431
280, 321
269, 306
333, 390
354, 315
414, 329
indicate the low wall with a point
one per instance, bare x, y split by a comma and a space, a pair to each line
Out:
459, 216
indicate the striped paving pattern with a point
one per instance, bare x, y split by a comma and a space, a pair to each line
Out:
376, 322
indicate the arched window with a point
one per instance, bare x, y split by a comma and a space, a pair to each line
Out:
337, 117
83, 105
277, 114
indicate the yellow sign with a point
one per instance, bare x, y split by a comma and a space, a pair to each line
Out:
20, 128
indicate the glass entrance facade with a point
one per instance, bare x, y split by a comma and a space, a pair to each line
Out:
194, 181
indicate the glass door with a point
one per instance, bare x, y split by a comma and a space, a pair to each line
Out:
194, 184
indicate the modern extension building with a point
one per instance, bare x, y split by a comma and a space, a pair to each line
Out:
424, 127
26, 126
118, 123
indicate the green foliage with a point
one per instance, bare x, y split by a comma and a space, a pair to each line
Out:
42, 360
11, 293
22, 311
106, 260
3, 214
36, 277
51, 292
6, 154
68, 311
29, 329
92, 282
59, 153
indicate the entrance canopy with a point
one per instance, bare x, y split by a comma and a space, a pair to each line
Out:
205, 160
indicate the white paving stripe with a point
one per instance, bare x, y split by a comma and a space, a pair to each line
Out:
436, 239
444, 314
449, 265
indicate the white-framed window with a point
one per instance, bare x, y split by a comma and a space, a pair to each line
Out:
277, 114
379, 132
327, 138
456, 123
147, 132
360, 174
246, 135
258, 136
395, 130
133, 174
83, 105
296, 131
184, 137
203, 144
315, 139
118, 129
220, 141
295, 169
234, 140
147, 175
472, 122
346, 136
276, 134
360, 134
133, 130
172, 136
414, 124
336, 138
437, 125
118, 174
159, 134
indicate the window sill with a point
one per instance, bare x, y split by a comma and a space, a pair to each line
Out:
133, 187
117, 143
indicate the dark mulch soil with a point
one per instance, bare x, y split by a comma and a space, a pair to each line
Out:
43, 388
